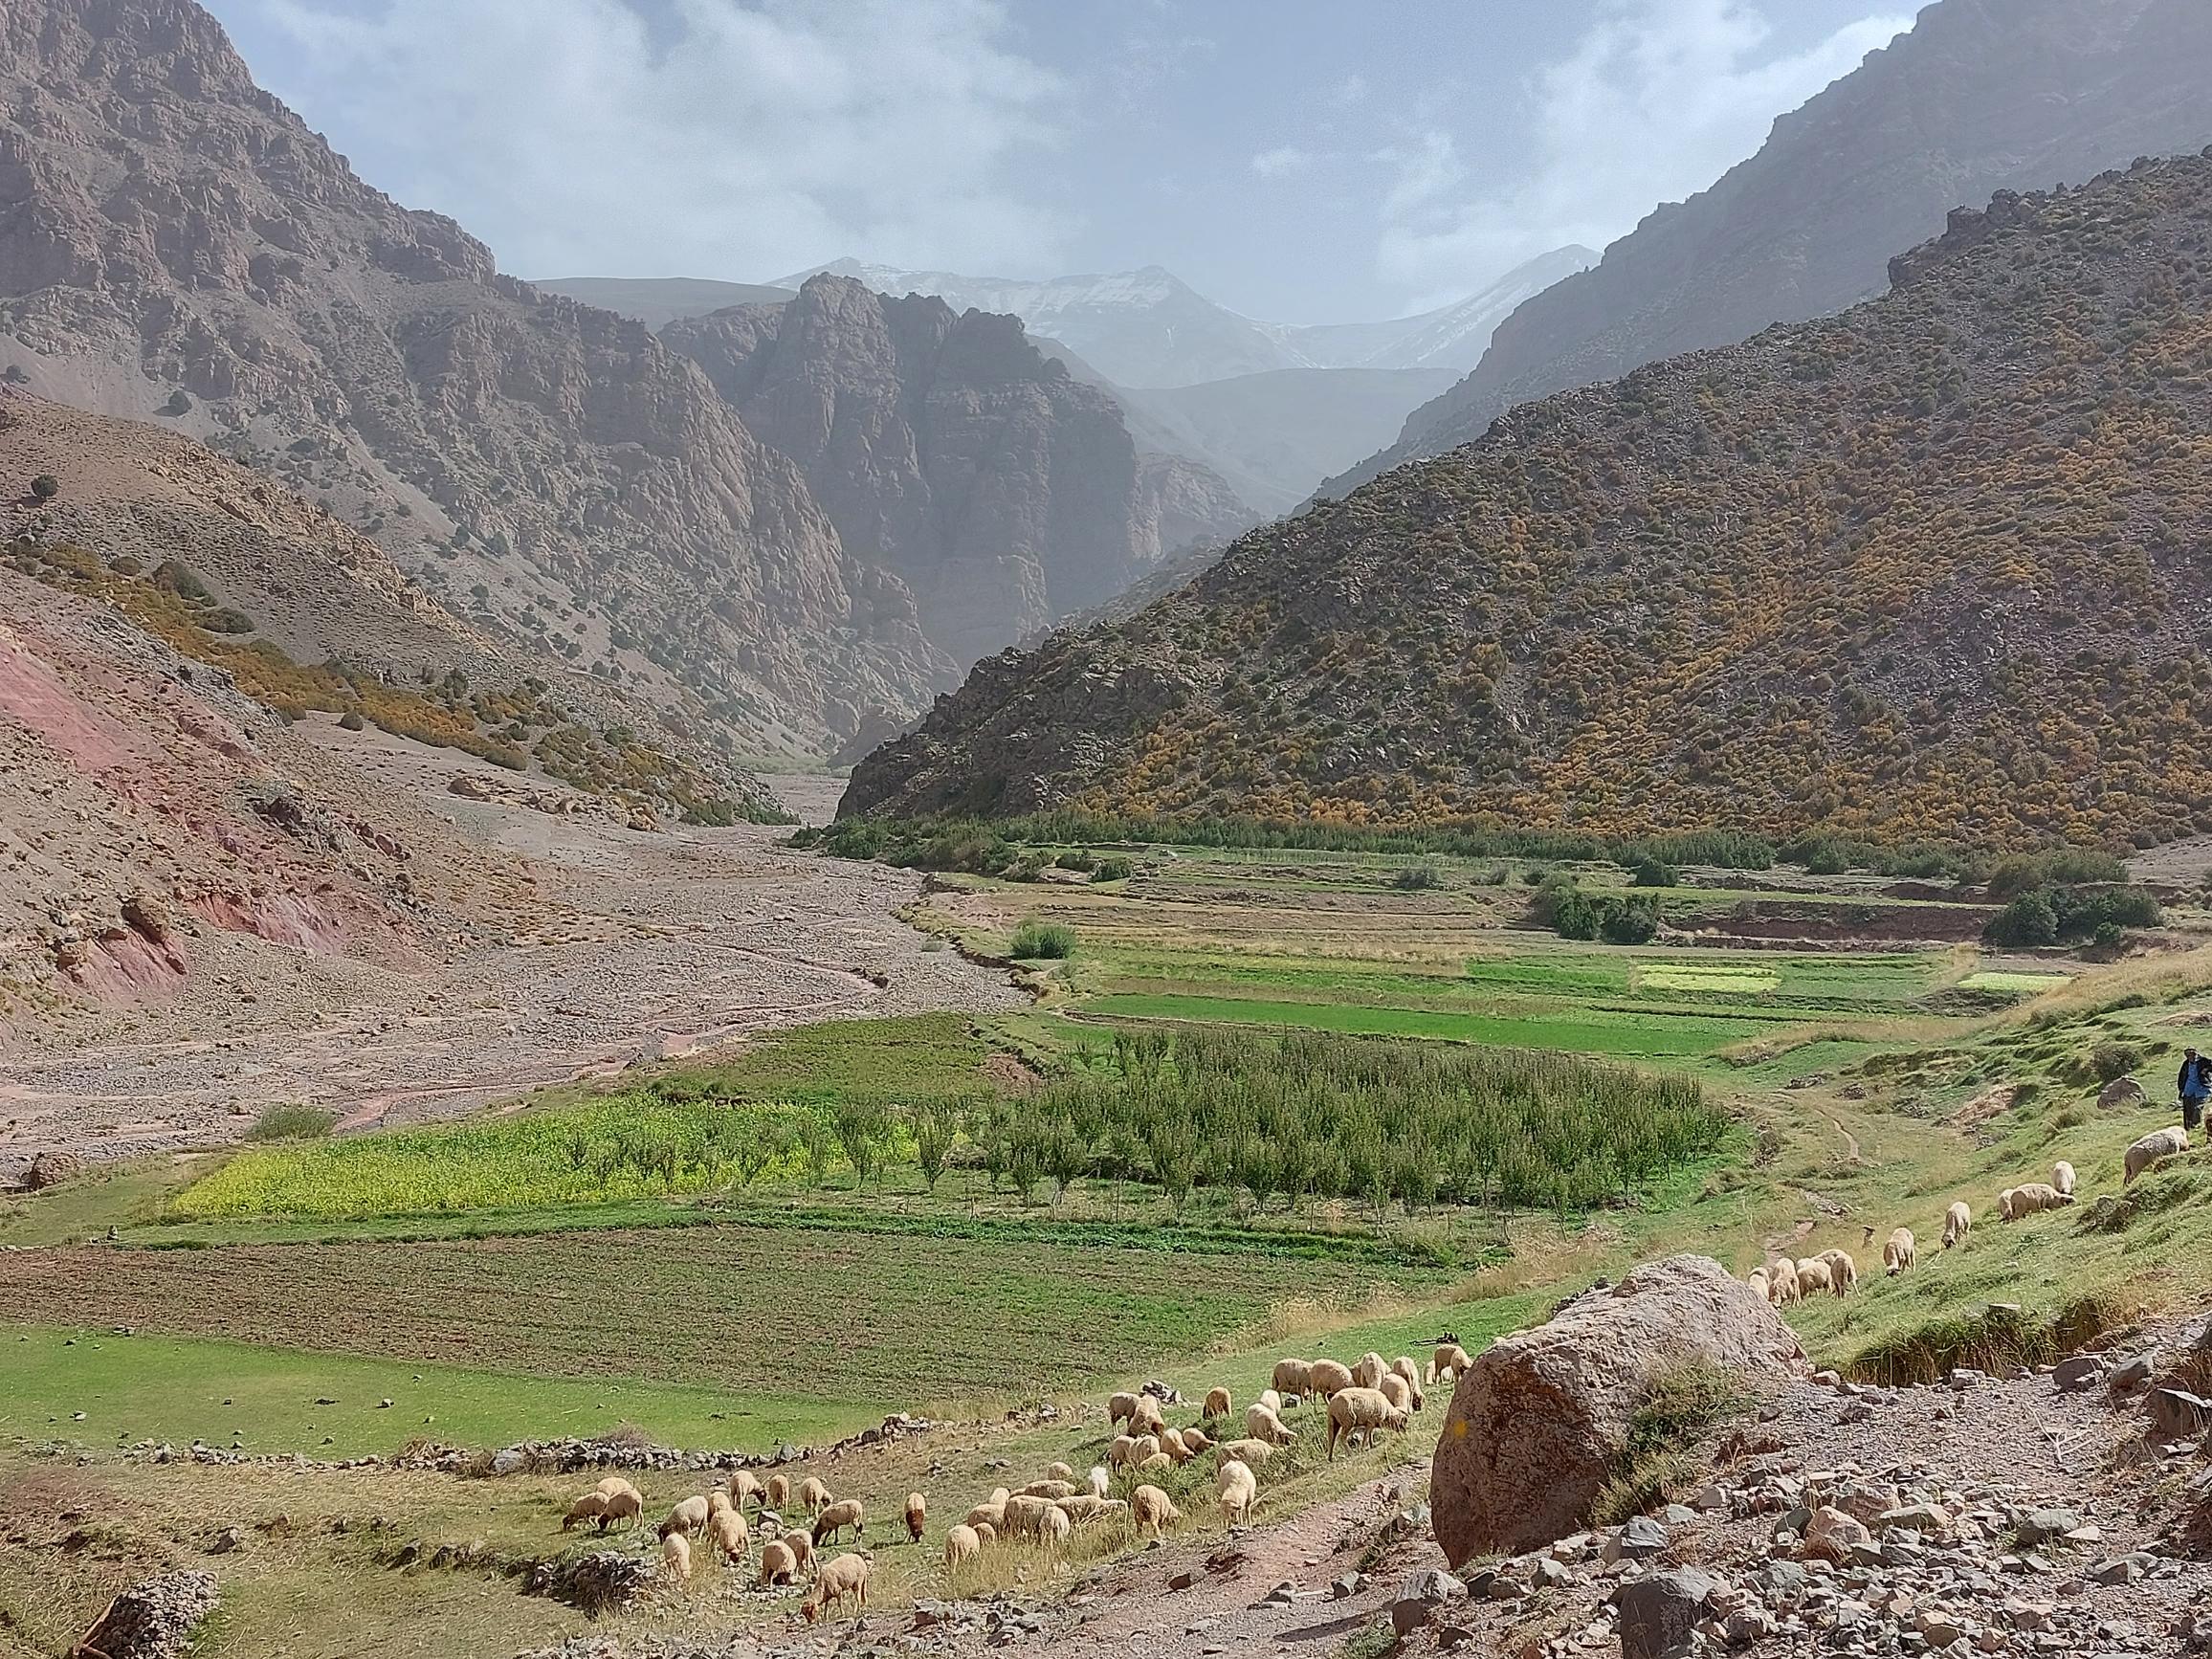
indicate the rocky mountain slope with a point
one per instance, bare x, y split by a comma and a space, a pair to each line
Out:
175, 243
1982, 95
659, 300
1926, 569
947, 449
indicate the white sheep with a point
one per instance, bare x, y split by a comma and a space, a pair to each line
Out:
1024, 1514
846, 1576
675, 1555
2061, 1178
2019, 1202
591, 1506
743, 1485
1196, 1441
1293, 1378
1085, 1507
1123, 1450
1059, 1472
1254, 1452
1119, 1406
814, 1495
1757, 1283
779, 1564
1150, 1506
1238, 1492
836, 1516
801, 1548
689, 1518
1261, 1423
731, 1534
1100, 1480
1272, 1400
1843, 1270
1395, 1389
1047, 1488
1782, 1282
1368, 1371
1361, 1412
2167, 1143
777, 1492
1055, 1528
1957, 1222
963, 1544
1327, 1377
1812, 1274
1897, 1251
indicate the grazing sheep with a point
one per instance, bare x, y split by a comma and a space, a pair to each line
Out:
1048, 1489
836, 1516
1024, 1514
1238, 1492
1155, 1463
1812, 1274
1293, 1378
802, 1550
1368, 1370
1147, 1447
1059, 1472
1448, 1362
675, 1553
1843, 1270
1150, 1506
1100, 1481
917, 1515
614, 1483
778, 1565
718, 1500
987, 1532
1261, 1423
2061, 1177
731, 1534
2019, 1202
1782, 1282
962, 1545
1957, 1223
1146, 1419
2168, 1142
1253, 1452
1119, 1406
1055, 1528
1272, 1400
1171, 1443
990, 1515
1196, 1441
622, 1506
1360, 1411
1217, 1405
846, 1576
745, 1485
1326, 1378
591, 1506
1396, 1389
689, 1518
1122, 1450
1407, 1367
1756, 1281
778, 1492
814, 1495
1084, 1507
1897, 1252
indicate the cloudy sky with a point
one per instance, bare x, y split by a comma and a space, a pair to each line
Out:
1295, 159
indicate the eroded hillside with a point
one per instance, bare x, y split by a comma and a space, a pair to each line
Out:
1924, 569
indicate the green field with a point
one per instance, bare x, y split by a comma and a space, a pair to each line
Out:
1595, 1032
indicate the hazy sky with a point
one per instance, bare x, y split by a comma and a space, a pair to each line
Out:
1295, 159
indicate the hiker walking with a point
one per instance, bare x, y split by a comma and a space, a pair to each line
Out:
2196, 1086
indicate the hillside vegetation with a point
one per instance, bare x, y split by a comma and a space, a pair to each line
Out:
1921, 571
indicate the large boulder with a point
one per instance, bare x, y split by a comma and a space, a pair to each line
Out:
1539, 1422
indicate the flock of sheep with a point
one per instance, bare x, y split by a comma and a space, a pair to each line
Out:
1783, 1281
1360, 1399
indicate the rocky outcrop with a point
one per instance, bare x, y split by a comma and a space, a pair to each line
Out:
1539, 1422
952, 454
174, 243
1982, 95
1826, 580
152, 1620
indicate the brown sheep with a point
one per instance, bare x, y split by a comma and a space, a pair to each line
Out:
1147, 1419
1360, 1411
1158, 1463
836, 1516
917, 1515
1048, 1489
622, 1506
1055, 1529
1196, 1441
777, 1493
1327, 1377
1150, 1506
1217, 1405
1120, 1406
1122, 1450
846, 1576
1448, 1362
1261, 1423
591, 1506
778, 1565
1395, 1389
1292, 1378
1085, 1507
1024, 1514
745, 1485
1843, 1270
614, 1483
1368, 1370
1253, 1452
1059, 1472
801, 1548
731, 1534
689, 1518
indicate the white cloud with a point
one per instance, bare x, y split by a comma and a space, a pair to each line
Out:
1658, 100
749, 139
1349, 91
1282, 160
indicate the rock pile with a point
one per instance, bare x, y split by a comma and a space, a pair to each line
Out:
152, 1620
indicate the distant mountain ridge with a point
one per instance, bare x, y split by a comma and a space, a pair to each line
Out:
659, 300
1982, 95
1930, 569
1147, 329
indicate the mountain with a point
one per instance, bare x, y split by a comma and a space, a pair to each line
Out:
1147, 329
1930, 569
1982, 95
947, 449
658, 300
174, 243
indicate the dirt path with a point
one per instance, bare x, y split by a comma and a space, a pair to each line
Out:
629, 948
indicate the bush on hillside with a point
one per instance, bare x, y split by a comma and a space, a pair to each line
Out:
1037, 940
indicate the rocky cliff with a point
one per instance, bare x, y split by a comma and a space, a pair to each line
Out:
950, 452
1982, 95
174, 243
1928, 569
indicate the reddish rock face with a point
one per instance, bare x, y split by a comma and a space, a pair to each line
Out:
1539, 1419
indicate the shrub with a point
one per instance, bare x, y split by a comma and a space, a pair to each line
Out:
293, 1121
1679, 1404
2030, 920
351, 721
1652, 872
1037, 940
1113, 869
1417, 878
45, 487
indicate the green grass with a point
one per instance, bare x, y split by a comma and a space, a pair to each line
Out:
1992, 980
153, 1387
1593, 1032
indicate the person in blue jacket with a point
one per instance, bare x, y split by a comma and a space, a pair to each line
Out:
2196, 1086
